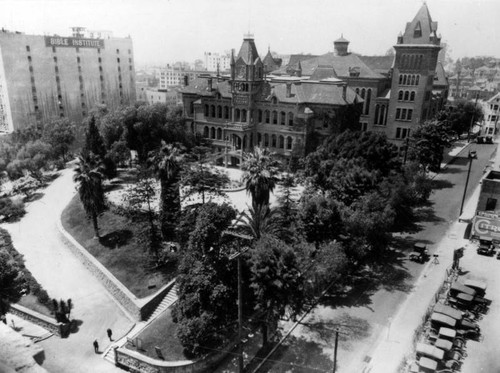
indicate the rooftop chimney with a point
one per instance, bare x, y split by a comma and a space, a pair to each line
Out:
340, 46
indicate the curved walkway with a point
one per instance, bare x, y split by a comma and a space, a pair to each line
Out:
63, 276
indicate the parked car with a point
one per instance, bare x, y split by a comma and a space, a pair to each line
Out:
486, 247
420, 253
484, 139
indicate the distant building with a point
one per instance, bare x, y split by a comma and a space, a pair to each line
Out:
155, 96
216, 60
174, 76
491, 109
42, 77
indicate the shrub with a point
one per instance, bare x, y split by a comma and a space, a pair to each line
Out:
11, 210
43, 297
109, 167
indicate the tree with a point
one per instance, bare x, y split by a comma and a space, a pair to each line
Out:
260, 221
12, 281
199, 179
166, 165
88, 176
93, 139
427, 144
59, 134
260, 177
460, 118
276, 282
32, 158
140, 196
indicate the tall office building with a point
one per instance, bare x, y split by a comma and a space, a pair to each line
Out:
42, 77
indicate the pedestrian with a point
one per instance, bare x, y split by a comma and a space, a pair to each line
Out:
96, 346
110, 334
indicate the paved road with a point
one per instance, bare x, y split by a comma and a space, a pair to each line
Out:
63, 276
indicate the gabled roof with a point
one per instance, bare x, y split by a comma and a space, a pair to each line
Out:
495, 98
248, 51
296, 58
323, 72
440, 78
423, 23
341, 65
379, 64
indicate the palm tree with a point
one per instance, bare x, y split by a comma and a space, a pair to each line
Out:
88, 176
260, 176
261, 221
167, 165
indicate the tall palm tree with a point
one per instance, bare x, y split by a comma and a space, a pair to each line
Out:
260, 177
88, 176
260, 221
167, 166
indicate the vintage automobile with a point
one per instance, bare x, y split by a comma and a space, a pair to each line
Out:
420, 253
486, 246
448, 311
484, 139
478, 286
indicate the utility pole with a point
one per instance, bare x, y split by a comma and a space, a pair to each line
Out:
237, 256
466, 183
335, 350
472, 119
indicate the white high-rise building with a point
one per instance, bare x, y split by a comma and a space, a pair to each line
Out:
223, 60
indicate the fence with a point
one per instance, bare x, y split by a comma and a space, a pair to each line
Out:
45, 322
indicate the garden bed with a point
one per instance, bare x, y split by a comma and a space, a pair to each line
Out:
120, 248
160, 333
30, 301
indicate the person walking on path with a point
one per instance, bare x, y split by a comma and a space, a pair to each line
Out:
110, 334
96, 346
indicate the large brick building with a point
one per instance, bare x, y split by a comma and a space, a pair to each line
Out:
281, 110
42, 77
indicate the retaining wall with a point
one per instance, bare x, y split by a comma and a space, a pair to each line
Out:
136, 362
37, 318
138, 309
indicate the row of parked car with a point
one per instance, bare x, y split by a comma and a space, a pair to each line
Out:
487, 247
451, 324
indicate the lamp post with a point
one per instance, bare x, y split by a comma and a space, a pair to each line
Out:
466, 183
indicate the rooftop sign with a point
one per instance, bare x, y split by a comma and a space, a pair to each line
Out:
57, 41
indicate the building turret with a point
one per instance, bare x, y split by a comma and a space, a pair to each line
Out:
340, 46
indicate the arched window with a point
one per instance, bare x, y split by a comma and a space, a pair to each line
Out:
226, 112
412, 80
281, 142
273, 141
206, 110
412, 96
212, 133
237, 114
400, 79
243, 115
407, 95
212, 110
219, 133
266, 140
205, 132
357, 91
289, 142
417, 80
384, 115
398, 113
275, 117
282, 118
219, 111
268, 116
260, 116
363, 93
400, 96
412, 62
404, 79
290, 118
368, 101
377, 109
259, 139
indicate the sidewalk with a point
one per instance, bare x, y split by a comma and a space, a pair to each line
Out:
396, 342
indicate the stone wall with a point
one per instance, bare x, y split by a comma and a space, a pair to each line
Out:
45, 322
137, 362
138, 309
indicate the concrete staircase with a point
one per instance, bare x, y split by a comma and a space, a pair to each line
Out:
169, 299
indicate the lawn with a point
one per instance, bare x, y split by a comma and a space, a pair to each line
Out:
161, 333
119, 249
31, 302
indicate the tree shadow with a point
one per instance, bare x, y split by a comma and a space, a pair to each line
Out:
450, 170
116, 239
459, 161
441, 184
75, 326
427, 215
34, 197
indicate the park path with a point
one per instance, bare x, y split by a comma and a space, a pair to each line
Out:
52, 263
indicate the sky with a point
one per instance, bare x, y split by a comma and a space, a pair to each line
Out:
164, 31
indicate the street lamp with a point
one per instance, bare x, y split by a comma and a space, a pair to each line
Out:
471, 157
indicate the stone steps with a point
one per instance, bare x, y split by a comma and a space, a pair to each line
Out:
170, 299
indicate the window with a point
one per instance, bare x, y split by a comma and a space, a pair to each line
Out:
417, 79
206, 110
282, 118
275, 117
364, 126
289, 143
212, 111
273, 141
410, 113
281, 142
29, 59
219, 111
398, 113
205, 132
78, 59
212, 133
266, 140
237, 115
377, 112
400, 95
27, 48
368, 101
243, 115
400, 79
219, 133
259, 116
226, 112
491, 204
117, 51
53, 49
130, 68
412, 96
118, 60
99, 59
77, 50
417, 32
99, 50
130, 60
31, 69
100, 68
407, 95
267, 116
259, 138
290, 118
55, 59
403, 114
